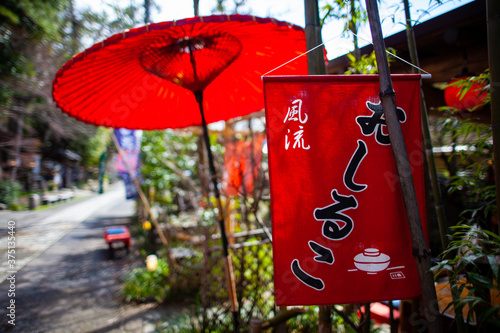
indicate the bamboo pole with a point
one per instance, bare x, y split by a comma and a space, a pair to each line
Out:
316, 65
170, 259
315, 59
419, 246
493, 12
438, 199
441, 217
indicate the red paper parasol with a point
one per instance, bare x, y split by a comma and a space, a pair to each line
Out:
178, 74
143, 78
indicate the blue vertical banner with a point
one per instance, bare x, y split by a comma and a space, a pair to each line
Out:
130, 143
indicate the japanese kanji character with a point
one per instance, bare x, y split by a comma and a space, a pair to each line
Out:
376, 122
330, 214
353, 166
324, 254
307, 279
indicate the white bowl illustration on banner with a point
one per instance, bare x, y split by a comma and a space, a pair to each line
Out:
372, 261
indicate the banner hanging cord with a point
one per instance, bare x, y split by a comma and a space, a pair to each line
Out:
289, 61
395, 56
427, 75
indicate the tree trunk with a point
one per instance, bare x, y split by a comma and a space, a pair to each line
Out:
325, 319
17, 148
202, 171
75, 29
147, 11
196, 5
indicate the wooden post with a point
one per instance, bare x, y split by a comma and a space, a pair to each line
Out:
325, 319
255, 325
493, 12
368, 318
388, 99
281, 328
204, 278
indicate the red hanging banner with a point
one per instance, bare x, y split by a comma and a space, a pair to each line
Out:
340, 233
241, 161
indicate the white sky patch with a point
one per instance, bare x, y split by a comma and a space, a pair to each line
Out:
391, 11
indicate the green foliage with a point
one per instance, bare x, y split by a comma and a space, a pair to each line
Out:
367, 64
254, 266
170, 164
124, 17
222, 8
351, 12
43, 15
94, 146
16, 207
470, 167
23, 24
481, 85
186, 280
185, 323
9, 192
474, 265
307, 322
142, 285
471, 259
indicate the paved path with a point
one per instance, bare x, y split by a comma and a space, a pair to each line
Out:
68, 283
37, 231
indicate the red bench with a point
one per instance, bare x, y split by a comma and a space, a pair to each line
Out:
117, 234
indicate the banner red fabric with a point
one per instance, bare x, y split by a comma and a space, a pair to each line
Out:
340, 233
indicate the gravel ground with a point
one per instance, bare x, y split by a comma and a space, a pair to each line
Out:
74, 286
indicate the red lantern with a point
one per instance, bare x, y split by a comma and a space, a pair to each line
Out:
474, 98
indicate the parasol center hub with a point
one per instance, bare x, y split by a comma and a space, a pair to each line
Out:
192, 62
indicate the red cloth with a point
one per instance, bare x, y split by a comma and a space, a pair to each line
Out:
340, 233
238, 160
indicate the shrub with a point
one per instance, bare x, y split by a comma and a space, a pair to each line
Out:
475, 266
9, 192
142, 285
